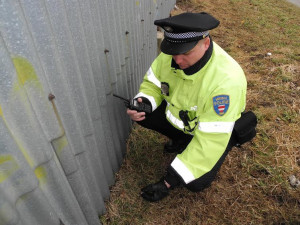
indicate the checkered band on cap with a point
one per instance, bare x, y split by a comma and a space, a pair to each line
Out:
185, 37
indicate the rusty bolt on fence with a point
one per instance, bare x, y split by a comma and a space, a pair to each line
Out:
51, 97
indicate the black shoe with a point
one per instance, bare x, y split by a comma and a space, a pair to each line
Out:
173, 146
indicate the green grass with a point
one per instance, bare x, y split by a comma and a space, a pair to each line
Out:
252, 186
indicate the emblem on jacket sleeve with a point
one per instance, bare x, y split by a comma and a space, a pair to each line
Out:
165, 88
221, 104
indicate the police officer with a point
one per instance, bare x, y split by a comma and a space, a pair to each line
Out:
197, 92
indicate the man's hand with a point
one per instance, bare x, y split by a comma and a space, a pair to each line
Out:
135, 115
155, 192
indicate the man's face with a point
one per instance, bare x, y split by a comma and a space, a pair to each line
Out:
189, 58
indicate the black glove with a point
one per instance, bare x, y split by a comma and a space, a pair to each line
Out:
159, 190
155, 192
145, 101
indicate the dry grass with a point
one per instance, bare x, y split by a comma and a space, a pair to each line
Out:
252, 186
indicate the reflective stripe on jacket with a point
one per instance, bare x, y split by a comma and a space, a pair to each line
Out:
214, 98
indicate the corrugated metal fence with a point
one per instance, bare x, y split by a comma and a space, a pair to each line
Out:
62, 134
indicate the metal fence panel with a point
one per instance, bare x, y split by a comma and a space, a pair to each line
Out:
62, 134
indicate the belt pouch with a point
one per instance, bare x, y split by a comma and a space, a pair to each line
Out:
244, 128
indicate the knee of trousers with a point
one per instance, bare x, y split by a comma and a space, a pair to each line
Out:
201, 183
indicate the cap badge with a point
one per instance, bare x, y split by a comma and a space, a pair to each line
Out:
168, 29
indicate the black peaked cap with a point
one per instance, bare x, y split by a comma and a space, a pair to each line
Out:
180, 36
186, 22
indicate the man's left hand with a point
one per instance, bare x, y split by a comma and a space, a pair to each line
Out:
155, 192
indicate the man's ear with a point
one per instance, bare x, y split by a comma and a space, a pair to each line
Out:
206, 43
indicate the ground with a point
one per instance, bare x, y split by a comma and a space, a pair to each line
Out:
254, 184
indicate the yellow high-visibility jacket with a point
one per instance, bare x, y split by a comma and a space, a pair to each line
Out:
213, 97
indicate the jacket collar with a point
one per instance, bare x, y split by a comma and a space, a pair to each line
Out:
198, 65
